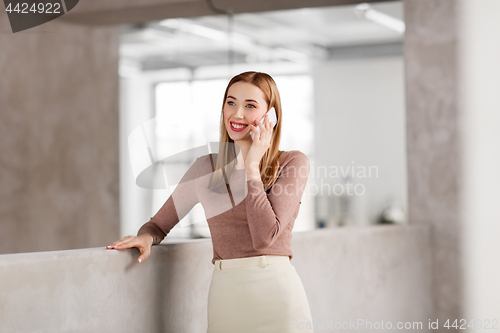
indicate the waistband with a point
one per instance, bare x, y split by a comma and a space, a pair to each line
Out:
262, 261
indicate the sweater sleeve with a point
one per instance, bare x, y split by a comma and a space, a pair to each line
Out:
178, 205
269, 215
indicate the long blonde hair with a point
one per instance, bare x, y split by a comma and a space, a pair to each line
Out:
269, 164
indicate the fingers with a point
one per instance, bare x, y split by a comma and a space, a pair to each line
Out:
256, 134
253, 128
265, 129
269, 124
266, 124
258, 129
262, 124
119, 243
132, 241
145, 252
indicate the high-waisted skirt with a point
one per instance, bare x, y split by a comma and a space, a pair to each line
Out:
257, 294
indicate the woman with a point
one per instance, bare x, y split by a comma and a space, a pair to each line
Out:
254, 286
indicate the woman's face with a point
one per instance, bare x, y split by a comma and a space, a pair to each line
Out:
244, 103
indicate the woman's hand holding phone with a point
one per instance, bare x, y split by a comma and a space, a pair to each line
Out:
142, 242
271, 115
262, 134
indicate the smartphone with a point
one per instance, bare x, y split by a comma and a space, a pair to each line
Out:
272, 117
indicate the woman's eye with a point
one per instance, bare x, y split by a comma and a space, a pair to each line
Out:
230, 102
251, 105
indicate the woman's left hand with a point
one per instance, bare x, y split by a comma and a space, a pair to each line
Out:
260, 144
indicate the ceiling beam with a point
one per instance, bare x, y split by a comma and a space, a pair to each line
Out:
113, 12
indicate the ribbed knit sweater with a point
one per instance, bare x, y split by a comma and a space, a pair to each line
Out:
245, 220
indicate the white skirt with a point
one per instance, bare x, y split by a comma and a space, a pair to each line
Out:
257, 294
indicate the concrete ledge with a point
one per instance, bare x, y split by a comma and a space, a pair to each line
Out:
374, 273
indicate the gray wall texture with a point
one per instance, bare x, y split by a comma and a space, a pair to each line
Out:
433, 142
58, 137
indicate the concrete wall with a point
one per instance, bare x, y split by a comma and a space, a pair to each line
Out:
372, 274
58, 137
452, 79
434, 168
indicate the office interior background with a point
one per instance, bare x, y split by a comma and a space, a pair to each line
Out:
393, 102
328, 63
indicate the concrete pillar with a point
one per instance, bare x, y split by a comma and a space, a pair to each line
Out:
433, 141
452, 79
59, 162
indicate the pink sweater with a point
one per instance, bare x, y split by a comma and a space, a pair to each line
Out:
244, 222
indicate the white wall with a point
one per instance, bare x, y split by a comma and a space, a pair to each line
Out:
360, 122
135, 109
480, 107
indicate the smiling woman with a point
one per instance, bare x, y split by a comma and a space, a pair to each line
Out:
247, 98
260, 291
251, 194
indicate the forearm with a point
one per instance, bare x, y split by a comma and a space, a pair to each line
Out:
269, 214
260, 216
252, 171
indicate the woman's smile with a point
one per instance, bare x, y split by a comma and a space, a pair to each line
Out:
238, 127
